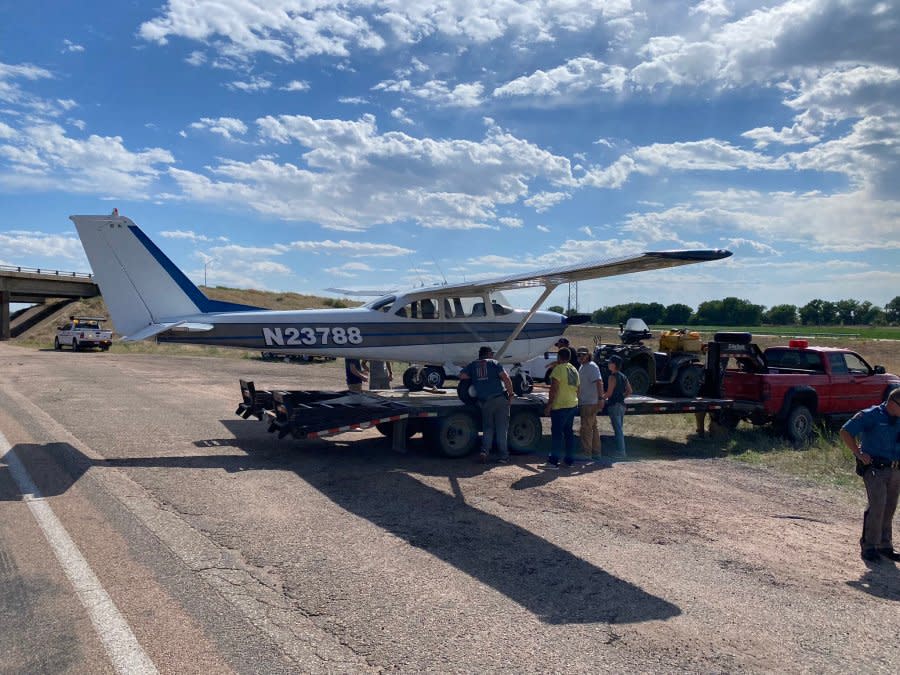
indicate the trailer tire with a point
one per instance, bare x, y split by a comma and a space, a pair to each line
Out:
639, 378
798, 426
525, 432
412, 379
433, 377
456, 434
688, 382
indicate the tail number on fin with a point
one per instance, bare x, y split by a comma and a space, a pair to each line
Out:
323, 335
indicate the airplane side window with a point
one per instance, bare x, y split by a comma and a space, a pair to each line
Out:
429, 311
500, 309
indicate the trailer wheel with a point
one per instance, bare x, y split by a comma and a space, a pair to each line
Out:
433, 377
525, 432
457, 434
522, 384
412, 379
799, 424
688, 382
386, 429
639, 378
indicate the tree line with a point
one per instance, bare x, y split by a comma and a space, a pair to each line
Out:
733, 311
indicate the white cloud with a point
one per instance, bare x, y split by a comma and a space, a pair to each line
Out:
189, 235
195, 58
255, 83
227, 127
354, 249
354, 177
296, 85
575, 76
69, 46
9, 90
512, 223
353, 100
467, 95
400, 115
348, 270
41, 244
43, 157
542, 228
543, 201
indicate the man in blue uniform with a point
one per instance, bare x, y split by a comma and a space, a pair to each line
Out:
878, 429
494, 391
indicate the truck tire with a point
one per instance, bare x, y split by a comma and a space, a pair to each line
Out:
525, 432
433, 377
735, 337
412, 379
522, 384
639, 378
798, 426
688, 382
456, 434
58, 346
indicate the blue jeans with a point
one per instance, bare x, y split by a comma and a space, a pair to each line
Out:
617, 420
561, 435
495, 422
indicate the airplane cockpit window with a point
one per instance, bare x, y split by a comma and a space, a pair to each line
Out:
499, 309
426, 308
383, 304
464, 307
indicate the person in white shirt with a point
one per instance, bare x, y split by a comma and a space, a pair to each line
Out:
590, 402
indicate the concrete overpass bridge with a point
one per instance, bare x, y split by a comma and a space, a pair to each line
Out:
35, 285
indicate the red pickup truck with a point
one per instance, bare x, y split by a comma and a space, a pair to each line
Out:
795, 385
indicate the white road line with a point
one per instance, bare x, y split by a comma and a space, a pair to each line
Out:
123, 649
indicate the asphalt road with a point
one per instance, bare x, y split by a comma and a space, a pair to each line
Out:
181, 538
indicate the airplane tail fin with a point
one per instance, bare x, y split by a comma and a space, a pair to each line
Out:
140, 285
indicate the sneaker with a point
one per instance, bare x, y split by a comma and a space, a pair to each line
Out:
550, 465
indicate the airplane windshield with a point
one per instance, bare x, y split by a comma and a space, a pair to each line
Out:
382, 304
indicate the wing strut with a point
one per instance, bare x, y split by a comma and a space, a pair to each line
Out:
548, 289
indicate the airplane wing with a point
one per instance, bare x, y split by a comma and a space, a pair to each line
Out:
595, 269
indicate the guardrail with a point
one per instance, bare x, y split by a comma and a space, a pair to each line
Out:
38, 270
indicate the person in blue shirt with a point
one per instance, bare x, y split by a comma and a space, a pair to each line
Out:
873, 436
494, 391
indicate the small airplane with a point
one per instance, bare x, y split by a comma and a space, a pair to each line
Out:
149, 297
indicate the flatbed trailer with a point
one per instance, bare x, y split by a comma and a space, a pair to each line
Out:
446, 422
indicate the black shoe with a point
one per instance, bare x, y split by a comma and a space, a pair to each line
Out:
870, 556
890, 554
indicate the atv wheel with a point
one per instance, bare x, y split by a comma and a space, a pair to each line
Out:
639, 378
688, 382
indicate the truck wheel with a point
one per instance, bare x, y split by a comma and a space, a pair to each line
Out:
639, 378
457, 434
525, 432
522, 384
433, 377
56, 344
688, 382
412, 379
799, 424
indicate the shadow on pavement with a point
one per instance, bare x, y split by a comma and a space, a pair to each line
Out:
882, 580
366, 478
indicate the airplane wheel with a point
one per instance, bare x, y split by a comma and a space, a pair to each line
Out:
525, 432
465, 390
412, 379
522, 384
433, 377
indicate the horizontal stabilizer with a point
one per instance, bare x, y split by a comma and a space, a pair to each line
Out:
148, 332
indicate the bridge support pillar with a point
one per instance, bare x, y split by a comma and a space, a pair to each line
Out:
4, 315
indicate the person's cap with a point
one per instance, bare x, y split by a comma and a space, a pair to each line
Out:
485, 351
583, 351
562, 342
615, 358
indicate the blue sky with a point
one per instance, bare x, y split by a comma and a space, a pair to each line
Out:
298, 145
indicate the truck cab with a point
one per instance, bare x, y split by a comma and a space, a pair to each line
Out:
82, 332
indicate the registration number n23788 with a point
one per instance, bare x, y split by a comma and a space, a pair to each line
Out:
320, 335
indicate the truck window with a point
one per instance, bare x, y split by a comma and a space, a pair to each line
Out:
856, 365
837, 363
813, 362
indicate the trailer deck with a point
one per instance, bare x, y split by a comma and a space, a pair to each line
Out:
448, 423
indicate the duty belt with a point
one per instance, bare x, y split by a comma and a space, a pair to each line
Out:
881, 464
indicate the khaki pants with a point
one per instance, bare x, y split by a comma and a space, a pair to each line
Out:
882, 489
590, 434
355, 387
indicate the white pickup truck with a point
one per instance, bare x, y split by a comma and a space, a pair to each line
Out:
82, 332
